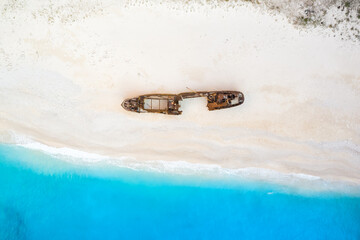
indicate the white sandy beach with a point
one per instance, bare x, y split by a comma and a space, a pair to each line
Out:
66, 68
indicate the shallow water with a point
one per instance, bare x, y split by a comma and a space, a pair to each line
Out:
43, 197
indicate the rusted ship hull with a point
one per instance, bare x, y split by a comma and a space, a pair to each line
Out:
170, 103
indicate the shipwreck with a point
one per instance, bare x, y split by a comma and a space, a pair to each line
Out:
170, 103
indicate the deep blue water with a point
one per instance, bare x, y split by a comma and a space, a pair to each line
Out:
42, 197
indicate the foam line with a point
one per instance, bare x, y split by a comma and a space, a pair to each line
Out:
297, 181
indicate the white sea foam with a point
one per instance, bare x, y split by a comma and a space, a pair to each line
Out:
66, 152
27, 142
296, 181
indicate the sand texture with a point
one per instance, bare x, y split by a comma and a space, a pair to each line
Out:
66, 67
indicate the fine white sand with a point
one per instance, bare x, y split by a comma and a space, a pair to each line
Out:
65, 68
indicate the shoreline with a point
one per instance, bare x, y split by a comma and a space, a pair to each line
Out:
287, 182
340, 171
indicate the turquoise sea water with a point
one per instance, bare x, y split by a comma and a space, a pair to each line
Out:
42, 197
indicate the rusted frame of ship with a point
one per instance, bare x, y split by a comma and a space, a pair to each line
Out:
170, 103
